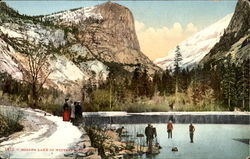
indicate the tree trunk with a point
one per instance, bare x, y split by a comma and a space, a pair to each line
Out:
243, 103
176, 86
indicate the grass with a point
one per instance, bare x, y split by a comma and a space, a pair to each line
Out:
161, 104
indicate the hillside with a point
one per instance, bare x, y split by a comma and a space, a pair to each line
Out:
235, 40
82, 43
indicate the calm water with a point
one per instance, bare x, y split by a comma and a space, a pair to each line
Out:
211, 141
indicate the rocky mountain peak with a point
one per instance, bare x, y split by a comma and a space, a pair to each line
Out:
83, 43
6, 11
236, 37
113, 37
119, 19
240, 22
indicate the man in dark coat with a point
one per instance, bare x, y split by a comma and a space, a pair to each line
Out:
150, 132
191, 132
119, 131
78, 112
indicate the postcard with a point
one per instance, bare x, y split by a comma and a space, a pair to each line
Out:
121, 79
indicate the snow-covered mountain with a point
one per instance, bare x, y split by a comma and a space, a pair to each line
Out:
197, 46
236, 39
83, 43
75, 16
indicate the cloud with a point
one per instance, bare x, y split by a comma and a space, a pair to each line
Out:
156, 42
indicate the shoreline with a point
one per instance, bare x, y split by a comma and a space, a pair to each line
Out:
100, 118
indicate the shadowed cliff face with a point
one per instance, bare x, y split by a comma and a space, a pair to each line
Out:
113, 38
108, 31
236, 38
118, 21
82, 43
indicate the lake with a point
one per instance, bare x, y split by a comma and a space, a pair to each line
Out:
211, 141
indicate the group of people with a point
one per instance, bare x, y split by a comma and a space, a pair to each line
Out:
72, 111
191, 130
150, 133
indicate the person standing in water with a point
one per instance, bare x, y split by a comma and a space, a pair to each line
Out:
170, 129
191, 132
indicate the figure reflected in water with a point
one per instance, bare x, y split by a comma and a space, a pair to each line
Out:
191, 132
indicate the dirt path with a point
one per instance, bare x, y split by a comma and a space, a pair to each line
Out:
42, 135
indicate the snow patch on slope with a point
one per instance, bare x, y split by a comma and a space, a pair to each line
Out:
75, 16
64, 70
98, 67
7, 64
34, 33
197, 46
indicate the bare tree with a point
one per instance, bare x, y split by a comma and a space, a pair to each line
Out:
36, 74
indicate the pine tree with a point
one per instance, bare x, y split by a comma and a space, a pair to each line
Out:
157, 81
146, 86
177, 69
243, 84
228, 82
167, 83
185, 79
135, 82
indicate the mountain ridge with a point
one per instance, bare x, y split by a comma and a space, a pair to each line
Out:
87, 48
236, 39
194, 48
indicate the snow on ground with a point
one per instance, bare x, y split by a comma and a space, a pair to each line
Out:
111, 113
118, 113
43, 136
197, 46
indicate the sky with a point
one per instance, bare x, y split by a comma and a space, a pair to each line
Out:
160, 25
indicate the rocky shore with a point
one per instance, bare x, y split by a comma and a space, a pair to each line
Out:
100, 143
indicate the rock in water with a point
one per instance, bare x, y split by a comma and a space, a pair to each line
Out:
174, 149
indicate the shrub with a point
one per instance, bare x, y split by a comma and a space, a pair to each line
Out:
10, 118
100, 100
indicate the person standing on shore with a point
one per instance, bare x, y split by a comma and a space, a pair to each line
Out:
73, 114
191, 132
170, 129
66, 113
120, 130
78, 110
149, 132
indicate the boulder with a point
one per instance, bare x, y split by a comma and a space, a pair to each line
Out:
174, 149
